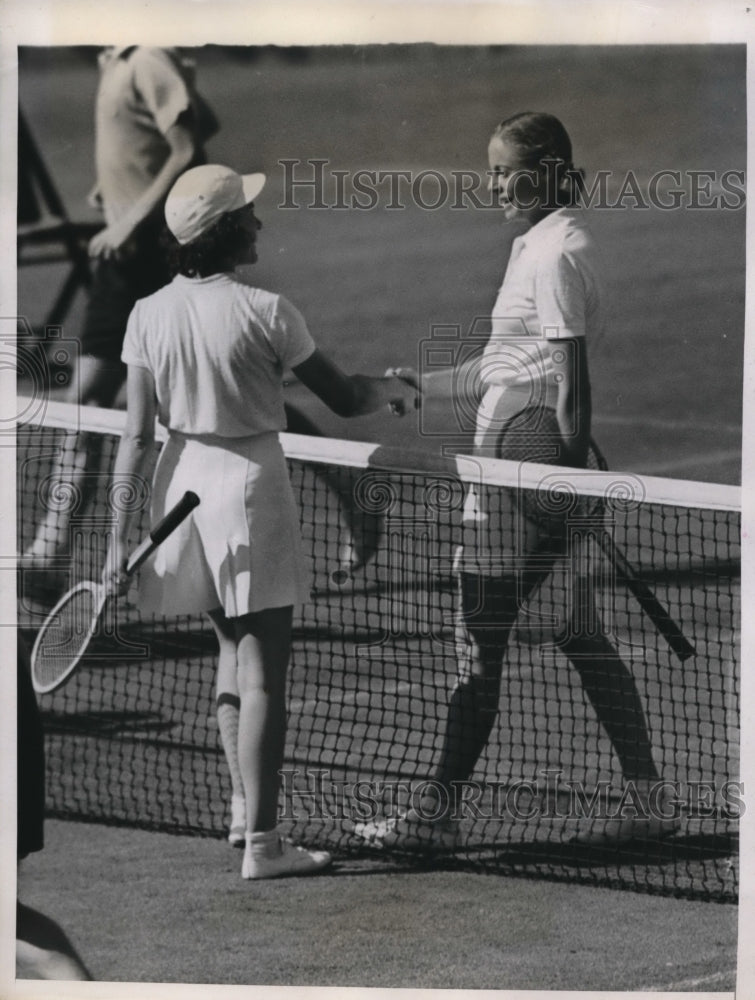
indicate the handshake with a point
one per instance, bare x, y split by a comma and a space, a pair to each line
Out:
408, 396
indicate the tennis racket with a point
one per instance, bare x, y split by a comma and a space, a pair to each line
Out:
644, 596
75, 620
533, 436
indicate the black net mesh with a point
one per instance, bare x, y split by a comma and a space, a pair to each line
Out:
132, 737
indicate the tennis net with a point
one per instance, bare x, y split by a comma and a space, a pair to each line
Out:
132, 737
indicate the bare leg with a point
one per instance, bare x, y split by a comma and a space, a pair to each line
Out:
263, 647
488, 609
262, 652
488, 612
95, 383
613, 694
364, 527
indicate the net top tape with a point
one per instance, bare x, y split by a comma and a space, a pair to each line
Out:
466, 468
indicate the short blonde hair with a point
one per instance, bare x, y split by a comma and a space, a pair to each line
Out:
542, 140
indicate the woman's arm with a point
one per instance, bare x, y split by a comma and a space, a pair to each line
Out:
574, 403
134, 453
463, 382
353, 395
110, 241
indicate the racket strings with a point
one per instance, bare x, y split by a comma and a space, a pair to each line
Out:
65, 637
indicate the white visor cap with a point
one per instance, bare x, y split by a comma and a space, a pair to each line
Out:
201, 195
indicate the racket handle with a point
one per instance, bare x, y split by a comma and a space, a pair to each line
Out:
162, 529
173, 518
648, 602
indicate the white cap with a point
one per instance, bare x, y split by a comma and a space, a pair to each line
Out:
201, 195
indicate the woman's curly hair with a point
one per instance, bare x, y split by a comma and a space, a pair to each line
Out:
214, 252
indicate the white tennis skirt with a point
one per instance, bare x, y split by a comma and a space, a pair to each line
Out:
240, 549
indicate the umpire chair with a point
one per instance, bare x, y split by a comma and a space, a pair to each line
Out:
45, 234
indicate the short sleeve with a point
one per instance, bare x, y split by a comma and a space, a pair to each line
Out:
133, 348
163, 89
291, 340
560, 296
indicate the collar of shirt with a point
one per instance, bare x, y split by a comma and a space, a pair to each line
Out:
543, 230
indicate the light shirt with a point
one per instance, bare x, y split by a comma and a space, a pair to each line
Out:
552, 290
141, 95
217, 349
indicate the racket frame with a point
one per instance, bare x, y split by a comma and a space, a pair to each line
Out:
42, 686
144, 550
645, 597
625, 572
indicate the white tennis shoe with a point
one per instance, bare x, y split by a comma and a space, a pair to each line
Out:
268, 855
411, 832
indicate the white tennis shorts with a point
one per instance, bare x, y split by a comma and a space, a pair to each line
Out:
240, 549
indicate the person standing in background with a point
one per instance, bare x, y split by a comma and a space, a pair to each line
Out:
150, 126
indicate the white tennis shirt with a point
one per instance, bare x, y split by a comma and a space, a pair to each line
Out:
552, 290
141, 94
217, 349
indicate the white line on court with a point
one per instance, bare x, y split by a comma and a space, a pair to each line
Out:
351, 697
716, 457
684, 985
661, 423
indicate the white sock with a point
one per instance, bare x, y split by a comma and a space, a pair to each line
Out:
227, 711
265, 844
